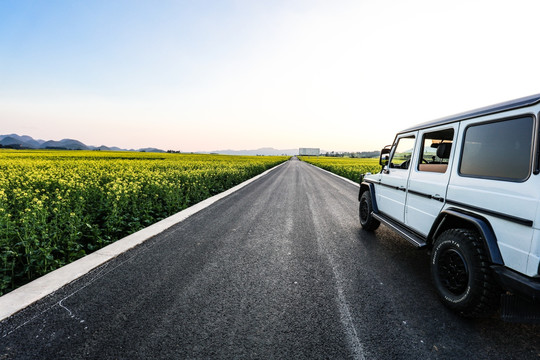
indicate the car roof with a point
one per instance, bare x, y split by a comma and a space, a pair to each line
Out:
492, 109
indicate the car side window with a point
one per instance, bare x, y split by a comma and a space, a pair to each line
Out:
499, 150
401, 158
436, 147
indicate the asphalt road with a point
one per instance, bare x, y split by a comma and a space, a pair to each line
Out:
279, 269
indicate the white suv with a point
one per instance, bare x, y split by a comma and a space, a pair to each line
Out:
467, 187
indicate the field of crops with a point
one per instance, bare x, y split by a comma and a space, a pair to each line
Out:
57, 206
351, 168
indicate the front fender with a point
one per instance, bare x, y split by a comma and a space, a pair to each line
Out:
367, 186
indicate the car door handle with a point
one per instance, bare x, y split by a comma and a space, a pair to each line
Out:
402, 188
437, 197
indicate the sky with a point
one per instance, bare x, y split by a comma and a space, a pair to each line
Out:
204, 75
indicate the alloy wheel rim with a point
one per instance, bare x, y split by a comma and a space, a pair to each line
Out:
364, 210
453, 272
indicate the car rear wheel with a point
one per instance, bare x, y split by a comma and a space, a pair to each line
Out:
461, 273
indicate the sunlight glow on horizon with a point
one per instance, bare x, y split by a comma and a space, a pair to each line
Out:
213, 75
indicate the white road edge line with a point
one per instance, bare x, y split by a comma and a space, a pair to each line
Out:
28, 294
336, 175
357, 349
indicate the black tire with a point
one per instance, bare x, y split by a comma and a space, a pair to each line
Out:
368, 222
461, 273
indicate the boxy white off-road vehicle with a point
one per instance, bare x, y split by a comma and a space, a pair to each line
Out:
467, 187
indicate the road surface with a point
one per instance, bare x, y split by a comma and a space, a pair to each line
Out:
279, 269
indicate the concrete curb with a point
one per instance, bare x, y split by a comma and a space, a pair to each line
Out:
26, 295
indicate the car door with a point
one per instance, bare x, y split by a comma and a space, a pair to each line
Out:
429, 177
494, 177
392, 192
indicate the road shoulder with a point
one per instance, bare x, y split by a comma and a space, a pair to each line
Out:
28, 294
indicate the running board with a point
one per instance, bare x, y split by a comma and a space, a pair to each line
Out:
415, 239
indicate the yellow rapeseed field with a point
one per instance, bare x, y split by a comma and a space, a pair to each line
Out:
57, 206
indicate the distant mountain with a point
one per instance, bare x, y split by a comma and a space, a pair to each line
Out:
15, 141
24, 141
151, 150
115, 148
68, 144
262, 151
9, 141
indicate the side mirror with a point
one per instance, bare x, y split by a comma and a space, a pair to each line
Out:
385, 155
383, 161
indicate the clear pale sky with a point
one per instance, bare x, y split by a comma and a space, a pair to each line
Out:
196, 75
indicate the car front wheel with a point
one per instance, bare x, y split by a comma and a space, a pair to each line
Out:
367, 220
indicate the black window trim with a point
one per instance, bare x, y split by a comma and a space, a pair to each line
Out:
531, 155
413, 135
536, 151
452, 127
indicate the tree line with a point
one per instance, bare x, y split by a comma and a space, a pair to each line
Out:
362, 154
